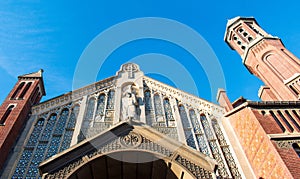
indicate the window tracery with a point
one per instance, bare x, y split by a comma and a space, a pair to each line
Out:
46, 135
67, 137
110, 99
158, 107
198, 133
47, 139
186, 127
90, 110
168, 111
225, 149
214, 147
100, 106
148, 107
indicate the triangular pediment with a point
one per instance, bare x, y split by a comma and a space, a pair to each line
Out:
127, 136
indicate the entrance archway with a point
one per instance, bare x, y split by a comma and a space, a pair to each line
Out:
130, 165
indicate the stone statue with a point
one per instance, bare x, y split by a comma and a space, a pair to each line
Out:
129, 103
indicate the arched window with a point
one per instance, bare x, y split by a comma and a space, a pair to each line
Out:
183, 116
292, 119
294, 90
61, 122
186, 127
110, 99
206, 127
168, 110
297, 116
250, 39
148, 107
28, 151
194, 120
73, 117
42, 146
35, 95
157, 106
214, 147
69, 129
47, 132
6, 114
198, 133
285, 121
89, 112
296, 148
100, 105
18, 90
225, 150
277, 121
38, 127
25, 90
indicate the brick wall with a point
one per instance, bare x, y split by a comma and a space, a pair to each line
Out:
15, 121
266, 162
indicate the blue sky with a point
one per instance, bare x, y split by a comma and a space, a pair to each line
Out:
53, 35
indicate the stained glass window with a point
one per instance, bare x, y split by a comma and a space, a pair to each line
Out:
225, 149
33, 139
53, 147
69, 129
23, 163
148, 107
194, 120
109, 114
198, 133
157, 106
57, 134
214, 147
168, 110
186, 127
28, 151
38, 157
73, 116
110, 99
90, 110
61, 123
46, 135
100, 106
184, 118
46, 141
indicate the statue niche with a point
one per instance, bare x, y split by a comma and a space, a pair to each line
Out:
130, 103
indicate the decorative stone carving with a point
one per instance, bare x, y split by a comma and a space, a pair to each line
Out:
130, 68
195, 169
131, 140
284, 144
74, 96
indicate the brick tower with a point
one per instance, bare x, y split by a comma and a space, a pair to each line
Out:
266, 57
15, 110
268, 131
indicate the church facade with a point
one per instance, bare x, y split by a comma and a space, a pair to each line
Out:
132, 126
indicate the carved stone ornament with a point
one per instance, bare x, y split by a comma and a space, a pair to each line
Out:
131, 140
131, 68
285, 144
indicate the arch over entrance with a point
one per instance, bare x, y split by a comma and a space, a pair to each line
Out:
130, 164
129, 150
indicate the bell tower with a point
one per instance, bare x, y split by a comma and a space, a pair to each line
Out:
266, 57
15, 110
